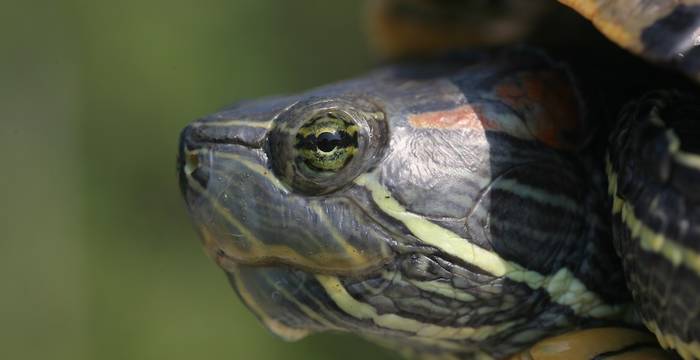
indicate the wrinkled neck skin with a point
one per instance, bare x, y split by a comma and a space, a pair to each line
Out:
466, 223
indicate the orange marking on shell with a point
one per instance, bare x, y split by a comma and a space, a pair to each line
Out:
549, 105
462, 117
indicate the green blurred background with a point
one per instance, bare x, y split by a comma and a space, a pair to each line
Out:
98, 259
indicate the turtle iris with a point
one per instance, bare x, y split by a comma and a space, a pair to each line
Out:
327, 143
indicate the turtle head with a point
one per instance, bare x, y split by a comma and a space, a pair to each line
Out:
267, 184
260, 180
416, 204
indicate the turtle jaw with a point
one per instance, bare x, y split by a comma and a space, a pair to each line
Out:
275, 295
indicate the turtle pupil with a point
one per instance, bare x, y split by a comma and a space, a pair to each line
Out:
327, 141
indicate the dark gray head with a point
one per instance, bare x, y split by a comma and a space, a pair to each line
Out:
440, 205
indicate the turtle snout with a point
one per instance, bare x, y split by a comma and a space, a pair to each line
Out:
190, 161
225, 129
219, 133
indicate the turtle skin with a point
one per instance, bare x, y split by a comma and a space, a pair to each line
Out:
658, 190
655, 185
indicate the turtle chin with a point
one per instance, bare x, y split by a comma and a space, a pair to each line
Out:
293, 303
285, 300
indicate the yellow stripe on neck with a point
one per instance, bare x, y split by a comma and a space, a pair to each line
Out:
563, 287
685, 349
363, 311
649, 239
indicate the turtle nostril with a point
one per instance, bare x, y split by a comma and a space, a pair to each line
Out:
192, 170
191, 163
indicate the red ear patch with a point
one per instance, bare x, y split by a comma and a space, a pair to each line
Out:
548, 103
541, 105
461, 117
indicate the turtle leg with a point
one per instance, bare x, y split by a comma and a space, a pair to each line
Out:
653, 168
608, 343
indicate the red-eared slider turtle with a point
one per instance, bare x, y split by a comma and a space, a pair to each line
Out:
487, 203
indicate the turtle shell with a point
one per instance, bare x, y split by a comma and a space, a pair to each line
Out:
663, 32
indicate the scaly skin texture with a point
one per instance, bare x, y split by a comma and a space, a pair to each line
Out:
653, 186
464, 225
654, 169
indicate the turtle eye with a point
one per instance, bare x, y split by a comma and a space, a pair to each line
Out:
319, 145
326, 143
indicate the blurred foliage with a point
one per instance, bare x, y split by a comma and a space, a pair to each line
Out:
98, 259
